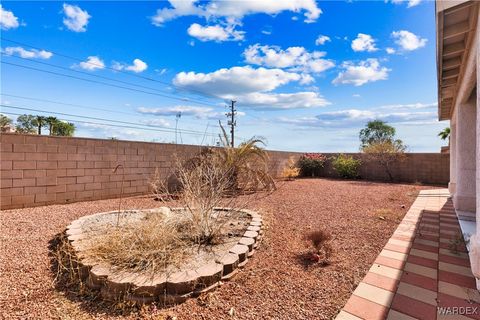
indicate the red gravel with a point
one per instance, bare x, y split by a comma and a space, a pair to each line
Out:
275, 284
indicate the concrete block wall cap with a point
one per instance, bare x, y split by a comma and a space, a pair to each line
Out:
72, 231
209, 273
231, 274
174, 288
249, 242
230, 262
240, 250
76, 237
181, 282
251, 234
253, 228
146, 286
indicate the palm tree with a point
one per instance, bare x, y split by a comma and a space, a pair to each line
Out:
40, 121
52, 122
248, 163
445, 134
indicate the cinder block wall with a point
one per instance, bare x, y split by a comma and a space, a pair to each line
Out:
40, 170
425, 168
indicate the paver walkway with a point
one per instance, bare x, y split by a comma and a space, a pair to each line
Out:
423, 272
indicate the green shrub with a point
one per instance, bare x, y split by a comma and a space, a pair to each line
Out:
346, 166
310, 164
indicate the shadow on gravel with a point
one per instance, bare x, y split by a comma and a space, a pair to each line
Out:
307, 262
67, 280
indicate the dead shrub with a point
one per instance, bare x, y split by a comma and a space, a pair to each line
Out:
320, 244
290, 171
145, 245
384, 214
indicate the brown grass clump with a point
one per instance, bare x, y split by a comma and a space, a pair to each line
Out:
146, 245
320, 241
384, 214
290, 171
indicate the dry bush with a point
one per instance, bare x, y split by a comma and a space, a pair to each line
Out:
203, 189
384, 213
320, 242
246, 164
149, 244
205, 185
290, 171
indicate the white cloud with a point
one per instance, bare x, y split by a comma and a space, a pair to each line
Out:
156, 122
251, 87
235, 10
321, 40
408, 41
215, 33
7, 19
180, 8
29, 54
410, 3
366, 71
75, 19
364, 42
137, 66
235, 81
390, 50
294, 100
356, 118
92, 63
197, 112
294, 58
409, 106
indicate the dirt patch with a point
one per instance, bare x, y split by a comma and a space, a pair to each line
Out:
273, 285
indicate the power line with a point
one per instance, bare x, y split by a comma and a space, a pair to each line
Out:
91, 75
110, 68
102, 119
97, 123
71, 104
104, 83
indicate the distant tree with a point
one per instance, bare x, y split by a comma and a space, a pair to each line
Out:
63, 128
5, 123
379, 144
51, 122
41, 123
445, 134
386, 153
376, 131
27, 123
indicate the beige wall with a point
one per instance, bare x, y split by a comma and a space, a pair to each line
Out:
40, 170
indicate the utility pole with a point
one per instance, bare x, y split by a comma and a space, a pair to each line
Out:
232, 122
177, 117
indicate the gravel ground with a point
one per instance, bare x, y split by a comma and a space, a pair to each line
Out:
275, 284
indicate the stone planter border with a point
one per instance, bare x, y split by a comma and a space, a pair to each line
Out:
171, 289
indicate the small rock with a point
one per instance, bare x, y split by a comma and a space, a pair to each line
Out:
231, 312
402, 206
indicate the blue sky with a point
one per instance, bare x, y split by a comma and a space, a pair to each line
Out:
307, 75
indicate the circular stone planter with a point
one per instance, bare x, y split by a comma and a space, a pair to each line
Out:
169, 289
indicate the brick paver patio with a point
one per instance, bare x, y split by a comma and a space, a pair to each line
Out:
423, 268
